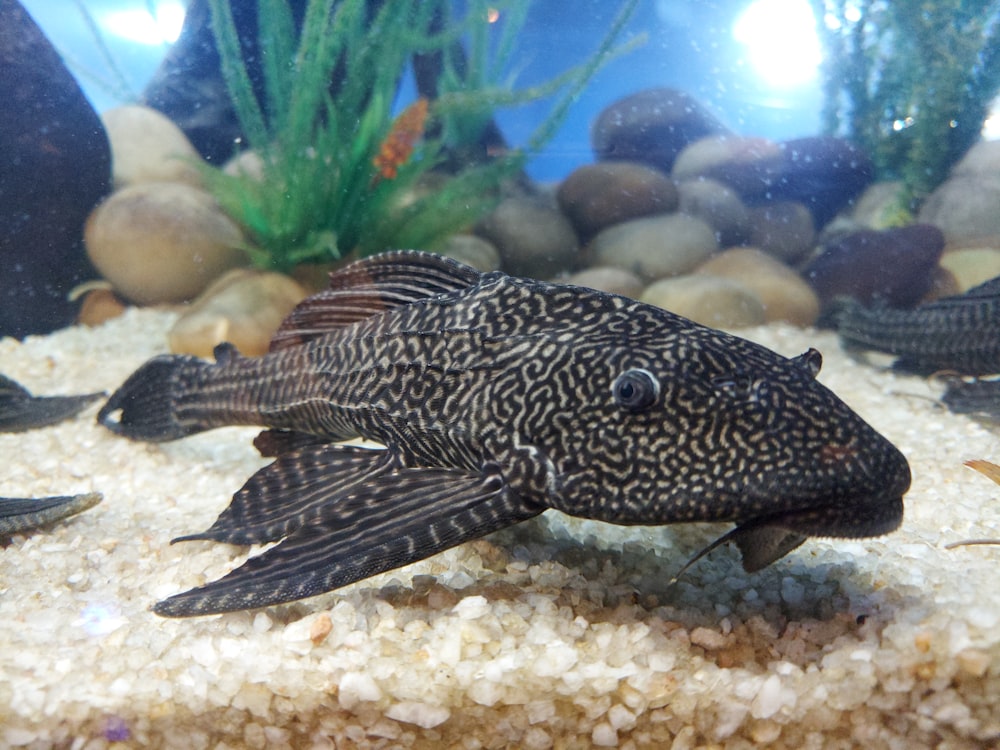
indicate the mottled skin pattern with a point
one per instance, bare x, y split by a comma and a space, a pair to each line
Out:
960, 333
21, 514
519, 396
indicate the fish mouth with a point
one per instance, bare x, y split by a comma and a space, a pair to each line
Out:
764, 539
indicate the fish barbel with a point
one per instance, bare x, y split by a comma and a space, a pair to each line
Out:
498, 398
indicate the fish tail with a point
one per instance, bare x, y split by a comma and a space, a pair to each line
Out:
168, 398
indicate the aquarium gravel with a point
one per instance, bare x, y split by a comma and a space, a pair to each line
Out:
556, 633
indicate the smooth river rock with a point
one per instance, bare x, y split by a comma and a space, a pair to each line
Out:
596, 196
709, 300
533, 237
654, 247
652, 127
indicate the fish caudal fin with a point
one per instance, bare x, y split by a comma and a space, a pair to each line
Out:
145, 407
389, 519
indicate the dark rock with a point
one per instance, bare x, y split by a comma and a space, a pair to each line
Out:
823, 173
784, 230
596, 196
533, 237
895, 266
717, 205
56, 166
652, 127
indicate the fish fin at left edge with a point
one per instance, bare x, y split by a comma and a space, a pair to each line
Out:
398, 517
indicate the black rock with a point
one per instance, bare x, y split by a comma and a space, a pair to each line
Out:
56, 166
652, 127
894, 267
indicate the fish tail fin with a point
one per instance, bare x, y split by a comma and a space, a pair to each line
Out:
147, 406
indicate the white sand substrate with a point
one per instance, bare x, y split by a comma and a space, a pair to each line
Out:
557, 633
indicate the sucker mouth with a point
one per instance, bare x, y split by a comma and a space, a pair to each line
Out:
764, 539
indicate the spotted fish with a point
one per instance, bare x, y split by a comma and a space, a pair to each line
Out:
960, 333
497, 398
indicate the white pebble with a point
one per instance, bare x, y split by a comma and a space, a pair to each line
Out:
421, 714
604, 735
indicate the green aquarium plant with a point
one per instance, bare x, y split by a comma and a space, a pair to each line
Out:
911, 81
339, 175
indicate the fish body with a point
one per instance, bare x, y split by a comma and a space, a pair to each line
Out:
960, 333
498, 398
20, 411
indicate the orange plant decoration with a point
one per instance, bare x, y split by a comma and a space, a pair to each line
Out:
398, 145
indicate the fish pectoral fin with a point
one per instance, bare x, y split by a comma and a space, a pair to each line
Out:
394, 518
271, 443
371, 286
293, 490
759, 546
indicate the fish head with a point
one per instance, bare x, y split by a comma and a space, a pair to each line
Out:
704, 426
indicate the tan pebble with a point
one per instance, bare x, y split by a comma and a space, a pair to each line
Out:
146, 146
925, 671
709, 300
471, 250
784, 293
654, 247
971, 266
708, 639
320, 628
922, 641
162, 242
245, 164
596, 196
973, 661
715, 151
98, 306
607, 279
244, 307
764, 731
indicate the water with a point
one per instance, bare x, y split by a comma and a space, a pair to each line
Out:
702, 171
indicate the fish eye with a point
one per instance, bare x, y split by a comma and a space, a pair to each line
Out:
635, 390
811, 360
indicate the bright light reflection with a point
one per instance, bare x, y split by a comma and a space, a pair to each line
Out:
137, 25
780, 40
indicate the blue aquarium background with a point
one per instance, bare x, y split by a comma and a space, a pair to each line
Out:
754, 63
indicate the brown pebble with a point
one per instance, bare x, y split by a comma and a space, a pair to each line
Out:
973, 661
98, 306
922, 641
320, 628
596, 196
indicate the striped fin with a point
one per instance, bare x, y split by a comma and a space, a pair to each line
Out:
20, 411
295, 490
19, 514
395, 518
370, 286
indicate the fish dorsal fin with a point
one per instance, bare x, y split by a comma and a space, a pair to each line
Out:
370, 286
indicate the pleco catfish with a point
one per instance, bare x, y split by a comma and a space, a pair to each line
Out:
498, 398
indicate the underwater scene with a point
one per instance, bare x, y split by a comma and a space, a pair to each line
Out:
499, 374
